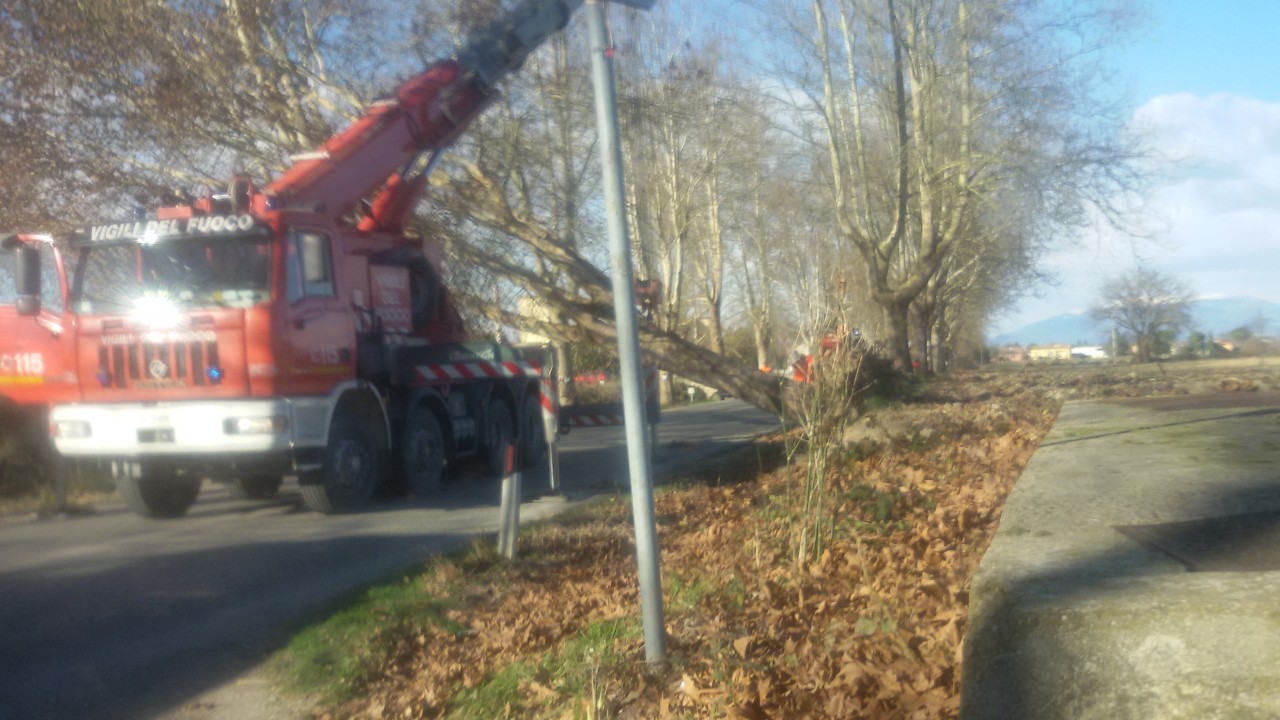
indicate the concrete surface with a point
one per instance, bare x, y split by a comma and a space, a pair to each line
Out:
1073, 618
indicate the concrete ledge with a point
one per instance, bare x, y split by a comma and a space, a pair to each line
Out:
1070, 618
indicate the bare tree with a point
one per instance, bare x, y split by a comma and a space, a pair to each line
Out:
115, 101
1145, 303
184, 94
932, 113
767, 246
922, 135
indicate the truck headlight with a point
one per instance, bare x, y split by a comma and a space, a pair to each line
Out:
69, 429
256, 425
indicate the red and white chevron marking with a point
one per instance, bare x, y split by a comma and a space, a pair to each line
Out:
462, 372
550, 397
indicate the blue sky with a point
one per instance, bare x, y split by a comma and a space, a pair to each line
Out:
1205, 47
1203, 80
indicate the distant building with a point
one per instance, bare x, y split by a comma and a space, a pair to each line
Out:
1011, 353
1088, 352
1049, 352
535, 309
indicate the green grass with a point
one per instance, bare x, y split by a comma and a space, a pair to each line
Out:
332, 660
576, 671
685, 592
498, 696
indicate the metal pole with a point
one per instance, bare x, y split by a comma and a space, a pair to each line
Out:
624, 306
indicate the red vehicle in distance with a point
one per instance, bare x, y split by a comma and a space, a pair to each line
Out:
597, 377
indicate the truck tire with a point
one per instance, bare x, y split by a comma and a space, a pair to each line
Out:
533, 436
422, 451
348, 473
498, 430
152, 494
258, 486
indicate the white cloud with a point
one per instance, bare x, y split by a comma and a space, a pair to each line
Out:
1216, 202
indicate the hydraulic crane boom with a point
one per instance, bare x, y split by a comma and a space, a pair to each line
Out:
391, 143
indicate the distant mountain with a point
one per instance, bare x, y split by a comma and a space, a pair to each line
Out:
1065, 329
1217, 317
1226, 314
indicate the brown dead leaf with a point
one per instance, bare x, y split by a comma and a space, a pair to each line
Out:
689, 688
747, 711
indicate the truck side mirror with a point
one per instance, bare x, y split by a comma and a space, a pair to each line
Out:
26, 274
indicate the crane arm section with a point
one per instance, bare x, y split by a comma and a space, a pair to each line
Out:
424, 115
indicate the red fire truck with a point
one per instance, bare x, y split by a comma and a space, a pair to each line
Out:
296, 328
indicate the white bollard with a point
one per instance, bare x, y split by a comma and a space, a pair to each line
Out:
551, 428
510, 510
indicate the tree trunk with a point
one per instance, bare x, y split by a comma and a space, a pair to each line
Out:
762, 344
921, 336
940, 344
899, 334
565, 386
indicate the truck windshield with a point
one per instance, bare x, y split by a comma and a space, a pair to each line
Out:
196, 272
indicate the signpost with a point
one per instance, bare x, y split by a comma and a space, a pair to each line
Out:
624, 305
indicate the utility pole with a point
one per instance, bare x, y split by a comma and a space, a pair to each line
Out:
624, 307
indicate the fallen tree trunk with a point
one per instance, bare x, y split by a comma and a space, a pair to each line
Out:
578, 296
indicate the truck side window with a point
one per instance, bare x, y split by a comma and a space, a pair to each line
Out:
50, 285
310, 266
8, 285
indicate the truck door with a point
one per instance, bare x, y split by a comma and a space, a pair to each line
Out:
319, 338
33, 369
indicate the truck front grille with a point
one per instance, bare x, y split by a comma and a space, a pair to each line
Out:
164, 364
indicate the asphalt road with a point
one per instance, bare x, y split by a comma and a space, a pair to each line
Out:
115, 616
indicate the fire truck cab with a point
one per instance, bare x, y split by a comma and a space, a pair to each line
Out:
32, 300
244, 347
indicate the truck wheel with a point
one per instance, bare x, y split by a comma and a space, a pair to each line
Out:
422, 451
498, 431
348, 473
533, 437
155, 495
258, 486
